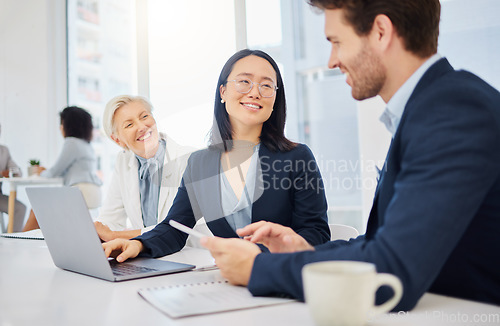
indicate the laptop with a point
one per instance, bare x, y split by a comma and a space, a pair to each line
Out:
73, 242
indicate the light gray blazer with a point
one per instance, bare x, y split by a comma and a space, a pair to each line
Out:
77, 163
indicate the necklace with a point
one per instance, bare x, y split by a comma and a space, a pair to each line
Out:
241, 144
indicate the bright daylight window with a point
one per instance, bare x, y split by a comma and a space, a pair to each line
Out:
101, 63
187, 49
345, 135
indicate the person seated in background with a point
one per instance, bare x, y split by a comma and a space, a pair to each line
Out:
250, 172
8, 167
435, 218
77, 163
147, 172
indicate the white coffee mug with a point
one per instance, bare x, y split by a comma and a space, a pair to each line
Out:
343, 292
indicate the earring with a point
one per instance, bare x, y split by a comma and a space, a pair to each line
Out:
222, 101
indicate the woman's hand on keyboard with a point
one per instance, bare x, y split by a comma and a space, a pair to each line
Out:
122, 249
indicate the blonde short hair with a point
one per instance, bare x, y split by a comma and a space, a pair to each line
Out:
117, 102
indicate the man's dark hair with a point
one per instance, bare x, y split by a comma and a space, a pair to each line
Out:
77, 123
416, 21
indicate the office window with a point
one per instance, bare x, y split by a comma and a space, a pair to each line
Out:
345, 135
323, 113
101, 63
469, 37
263, 24
187, 49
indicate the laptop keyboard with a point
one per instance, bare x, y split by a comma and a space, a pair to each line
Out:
129, 269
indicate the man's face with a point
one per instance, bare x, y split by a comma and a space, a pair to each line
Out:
354, 56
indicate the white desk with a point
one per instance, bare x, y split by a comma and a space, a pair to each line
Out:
35, 292
19, 181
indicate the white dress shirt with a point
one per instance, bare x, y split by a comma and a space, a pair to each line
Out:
396, 105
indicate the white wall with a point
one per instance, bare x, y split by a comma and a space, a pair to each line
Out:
32, 79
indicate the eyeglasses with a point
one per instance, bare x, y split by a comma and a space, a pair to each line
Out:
244, 86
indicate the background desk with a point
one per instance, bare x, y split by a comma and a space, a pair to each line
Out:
35, 292
14, 182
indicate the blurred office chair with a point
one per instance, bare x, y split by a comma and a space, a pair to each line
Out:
92, 195
342, 232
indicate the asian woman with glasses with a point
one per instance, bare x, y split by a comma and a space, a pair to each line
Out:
250, 172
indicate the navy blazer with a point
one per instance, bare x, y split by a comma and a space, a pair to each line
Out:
291, 193
435, 219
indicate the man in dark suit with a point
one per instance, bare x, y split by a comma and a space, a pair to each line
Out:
435, 218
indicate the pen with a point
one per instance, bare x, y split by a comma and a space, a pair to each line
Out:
185, 229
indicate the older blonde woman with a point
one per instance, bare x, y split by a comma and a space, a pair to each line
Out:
147, 172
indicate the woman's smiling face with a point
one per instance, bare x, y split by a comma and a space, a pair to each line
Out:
250, 109
135, 129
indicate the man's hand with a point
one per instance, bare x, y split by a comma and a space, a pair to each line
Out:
104, 231
234, 257
5, 173
122, 249
277, 238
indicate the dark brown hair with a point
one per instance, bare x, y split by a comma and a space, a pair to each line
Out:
77, 123
416, 21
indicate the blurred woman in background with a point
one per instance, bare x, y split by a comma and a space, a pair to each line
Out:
77, 163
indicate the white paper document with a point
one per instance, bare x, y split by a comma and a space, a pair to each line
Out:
35, 234
204, 298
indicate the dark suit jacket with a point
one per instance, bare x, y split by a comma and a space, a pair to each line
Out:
290, 192
435, 221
